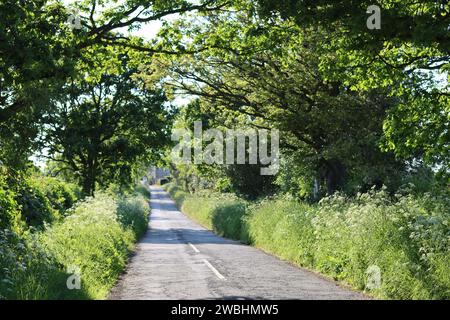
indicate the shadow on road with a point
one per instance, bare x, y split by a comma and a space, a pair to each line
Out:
184, 235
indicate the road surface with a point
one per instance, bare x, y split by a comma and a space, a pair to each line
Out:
179, 259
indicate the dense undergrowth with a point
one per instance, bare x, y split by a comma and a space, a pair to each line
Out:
47, 239
406, 237
34, 201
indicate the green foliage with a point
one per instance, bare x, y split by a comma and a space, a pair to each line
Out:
133, 214
402, 21
10, 214
61, 195
28, 272
36, 58
91, 238
178, 194
271, 78
49, 50
30, 199
419, 129
95, 237
222, 213
247, 181
106, 123
409, 55
36, 208
36, 28
405, 236
41, 56
202, 210
142, 190
284, 228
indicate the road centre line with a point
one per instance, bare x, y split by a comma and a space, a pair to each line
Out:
194, 248
217, 273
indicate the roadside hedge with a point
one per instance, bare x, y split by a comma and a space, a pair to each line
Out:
34, 200
94, 241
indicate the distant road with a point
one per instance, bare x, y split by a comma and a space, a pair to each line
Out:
178, 259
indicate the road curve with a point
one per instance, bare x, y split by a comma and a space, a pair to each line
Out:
180, 260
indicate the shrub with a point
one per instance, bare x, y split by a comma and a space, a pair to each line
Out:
199, 208
61, 195
178, 195
36, 207
142, 190
219, 213
284, 228
227, 218
133, 214
222, 213
10, 214
38, 198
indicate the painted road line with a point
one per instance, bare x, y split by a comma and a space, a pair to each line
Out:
217, 273
194, 248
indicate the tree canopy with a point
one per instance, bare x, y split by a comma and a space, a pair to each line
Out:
356, 107
409, 56
103, 124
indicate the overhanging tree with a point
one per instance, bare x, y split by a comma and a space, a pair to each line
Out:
270, 73
105, 124
409, 55
39, 53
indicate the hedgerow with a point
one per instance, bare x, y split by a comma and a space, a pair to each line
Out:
406, 237
33, 200
93, 240
62, 195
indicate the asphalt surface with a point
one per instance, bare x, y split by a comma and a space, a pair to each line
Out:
180, 260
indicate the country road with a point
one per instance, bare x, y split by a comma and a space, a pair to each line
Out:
179, 259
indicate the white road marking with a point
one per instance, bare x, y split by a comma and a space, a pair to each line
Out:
217, 273
194, 248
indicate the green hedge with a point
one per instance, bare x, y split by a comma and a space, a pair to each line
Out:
132, 213
61, 195
94, 239
178, 195
34, 201
406, 237
10, 213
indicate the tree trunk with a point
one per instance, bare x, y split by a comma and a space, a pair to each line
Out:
87, 185
90, 176
335, 175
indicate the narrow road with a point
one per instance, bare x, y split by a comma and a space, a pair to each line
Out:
179, 259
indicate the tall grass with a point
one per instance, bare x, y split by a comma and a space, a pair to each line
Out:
406, 237
94, 239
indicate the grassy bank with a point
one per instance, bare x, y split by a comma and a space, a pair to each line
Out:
406, 237
92, 241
